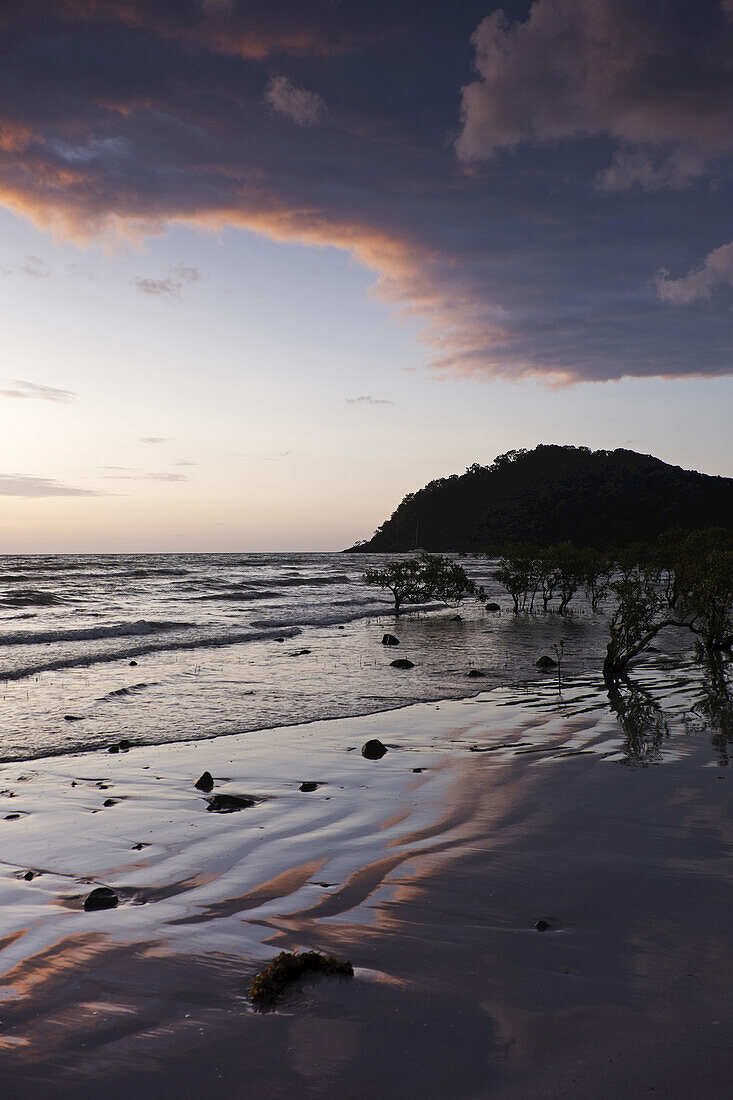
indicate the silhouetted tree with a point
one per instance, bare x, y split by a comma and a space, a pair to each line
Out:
638, 618
704, 579
596, 570
570, 569
423, 578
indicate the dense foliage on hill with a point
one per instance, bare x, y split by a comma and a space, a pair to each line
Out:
554, 494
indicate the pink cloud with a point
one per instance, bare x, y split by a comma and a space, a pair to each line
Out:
580, 68
715, 272
303, 107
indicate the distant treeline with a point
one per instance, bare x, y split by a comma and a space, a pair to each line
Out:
605, 500
682, 580
548, 578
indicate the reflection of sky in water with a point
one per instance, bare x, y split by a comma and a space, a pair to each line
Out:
189, 682
519, 812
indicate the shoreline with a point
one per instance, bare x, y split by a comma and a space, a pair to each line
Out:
344, 673
461, 857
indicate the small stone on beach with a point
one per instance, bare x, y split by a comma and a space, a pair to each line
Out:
493, 607
545, 662
374, 749
307, 787
402, 662
229, 803
101, 898
113, 748
475, 674
133, 664
73, 718
389, 639
110, 802
204, 782
543, 926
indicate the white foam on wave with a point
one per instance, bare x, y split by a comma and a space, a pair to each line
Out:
90, 633
199, 641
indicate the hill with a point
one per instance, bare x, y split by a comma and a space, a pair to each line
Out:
555, 494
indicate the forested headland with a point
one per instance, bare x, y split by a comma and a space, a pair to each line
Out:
555, 494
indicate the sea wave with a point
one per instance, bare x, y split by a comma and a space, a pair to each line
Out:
28, 597
299, 582
325, 618
121, 693
90, 633
33, 668
40, 566
238, 594
141, 573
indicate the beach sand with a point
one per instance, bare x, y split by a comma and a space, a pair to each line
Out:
527, 808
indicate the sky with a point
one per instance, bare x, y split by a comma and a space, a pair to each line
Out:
267, 267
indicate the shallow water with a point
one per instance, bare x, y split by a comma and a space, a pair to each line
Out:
218, 646
527, 805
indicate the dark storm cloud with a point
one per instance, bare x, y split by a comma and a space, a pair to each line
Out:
654, 76
568, 224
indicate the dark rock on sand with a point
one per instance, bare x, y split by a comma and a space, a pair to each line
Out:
205, 782
229, 803
299, 653
124, 744
307, 787
546, 662
133, 664
269, 985
417, 770
543, 926
12, 817
73, 718
113, 748
101, 898
402, 662
475, 674
29, 876
389, 639
493, 607
374, 749
110, 802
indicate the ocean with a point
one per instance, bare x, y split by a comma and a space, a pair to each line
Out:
166, 647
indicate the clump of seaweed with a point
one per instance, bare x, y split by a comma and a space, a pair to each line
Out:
269, 985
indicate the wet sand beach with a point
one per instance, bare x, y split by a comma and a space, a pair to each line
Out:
527, 808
